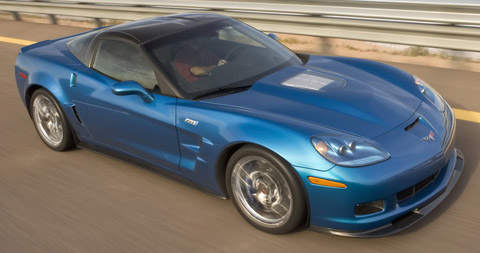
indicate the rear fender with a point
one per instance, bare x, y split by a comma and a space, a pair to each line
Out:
48, 82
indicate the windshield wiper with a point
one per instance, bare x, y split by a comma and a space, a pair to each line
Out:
229, 90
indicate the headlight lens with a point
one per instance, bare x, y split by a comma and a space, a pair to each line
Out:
348, 151
430, 93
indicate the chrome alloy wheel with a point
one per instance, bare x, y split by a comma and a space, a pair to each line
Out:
262, 191
47, 120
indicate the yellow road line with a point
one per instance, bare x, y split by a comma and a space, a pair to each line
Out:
467, 115
16, 41
459, 113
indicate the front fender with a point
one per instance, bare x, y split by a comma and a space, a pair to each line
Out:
205, 131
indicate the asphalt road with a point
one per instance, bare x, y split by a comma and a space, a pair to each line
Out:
81, 201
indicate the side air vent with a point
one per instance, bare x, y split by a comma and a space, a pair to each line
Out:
76, 114
412, 125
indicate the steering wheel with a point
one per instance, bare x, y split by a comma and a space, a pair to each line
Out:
232, 51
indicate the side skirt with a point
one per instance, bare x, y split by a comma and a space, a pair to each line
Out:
147, 166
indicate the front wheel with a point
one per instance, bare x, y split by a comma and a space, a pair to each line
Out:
265, 190
50, 122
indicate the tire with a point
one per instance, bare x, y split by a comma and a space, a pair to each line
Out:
265, 190
50, 121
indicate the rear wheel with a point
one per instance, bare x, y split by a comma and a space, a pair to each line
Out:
265, 190
50, 121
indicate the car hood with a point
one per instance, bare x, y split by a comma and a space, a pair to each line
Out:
346, 98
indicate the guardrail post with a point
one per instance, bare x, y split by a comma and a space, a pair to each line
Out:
52, 18
325, 46
98, 22
15, 16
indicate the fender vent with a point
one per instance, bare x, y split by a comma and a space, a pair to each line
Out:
412, 125
76, 114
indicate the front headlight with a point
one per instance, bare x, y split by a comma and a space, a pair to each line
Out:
348, 151
431, 94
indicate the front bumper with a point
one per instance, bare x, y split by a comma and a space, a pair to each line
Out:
454, 169
418, 176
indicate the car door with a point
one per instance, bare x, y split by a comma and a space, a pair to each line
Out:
126, 124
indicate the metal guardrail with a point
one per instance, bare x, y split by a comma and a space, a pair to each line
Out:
449, 26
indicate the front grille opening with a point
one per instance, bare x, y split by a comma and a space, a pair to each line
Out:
410, 191
424, 183
370, 207
405, 193
412, 125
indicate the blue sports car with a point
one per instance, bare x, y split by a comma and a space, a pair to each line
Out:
347, 146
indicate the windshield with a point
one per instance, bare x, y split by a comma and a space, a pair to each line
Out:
218, 55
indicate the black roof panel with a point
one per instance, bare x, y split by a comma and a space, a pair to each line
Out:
146, 30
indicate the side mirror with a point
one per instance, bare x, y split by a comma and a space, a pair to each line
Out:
273, 36
131, 88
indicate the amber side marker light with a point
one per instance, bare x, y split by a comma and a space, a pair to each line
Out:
324, 182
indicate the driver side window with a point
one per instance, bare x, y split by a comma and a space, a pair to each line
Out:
123, 61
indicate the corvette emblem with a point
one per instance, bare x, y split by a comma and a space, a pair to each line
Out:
429, 137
